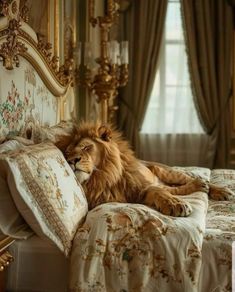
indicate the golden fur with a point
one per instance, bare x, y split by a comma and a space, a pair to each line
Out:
109, 172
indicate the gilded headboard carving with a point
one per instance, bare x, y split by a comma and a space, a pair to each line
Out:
32, 84
17, 38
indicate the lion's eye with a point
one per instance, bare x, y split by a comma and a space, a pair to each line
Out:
87, 147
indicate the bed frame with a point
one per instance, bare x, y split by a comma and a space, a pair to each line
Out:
33, 87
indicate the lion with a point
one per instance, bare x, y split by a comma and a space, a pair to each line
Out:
108, 170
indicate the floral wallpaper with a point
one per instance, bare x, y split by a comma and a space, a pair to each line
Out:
24, 97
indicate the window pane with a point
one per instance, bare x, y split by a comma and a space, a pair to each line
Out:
175, 114
171, 107
181, 116
173, 25
177, 97
176, 65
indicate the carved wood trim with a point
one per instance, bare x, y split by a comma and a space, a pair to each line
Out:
16, 41
5, 257
5, 243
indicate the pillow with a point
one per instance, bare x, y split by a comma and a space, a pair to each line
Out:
59, 134
46, 192
11, 145
11, 222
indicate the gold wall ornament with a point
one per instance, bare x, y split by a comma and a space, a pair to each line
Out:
112, 71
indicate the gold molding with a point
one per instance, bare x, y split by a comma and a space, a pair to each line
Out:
56, 28
15, 42
74, 23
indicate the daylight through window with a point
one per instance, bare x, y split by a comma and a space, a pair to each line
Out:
171, 107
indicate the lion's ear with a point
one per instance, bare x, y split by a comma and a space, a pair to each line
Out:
104, 133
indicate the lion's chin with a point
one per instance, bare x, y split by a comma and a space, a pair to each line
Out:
82, 176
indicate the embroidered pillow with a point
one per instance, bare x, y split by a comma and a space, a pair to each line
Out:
11, 221
47, 193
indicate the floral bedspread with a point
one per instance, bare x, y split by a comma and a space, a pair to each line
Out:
132, 248
216, 267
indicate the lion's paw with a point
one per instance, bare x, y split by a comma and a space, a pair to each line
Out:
199, 185
221, 193
173, 206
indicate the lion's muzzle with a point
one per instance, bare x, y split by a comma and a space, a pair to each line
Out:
81, 174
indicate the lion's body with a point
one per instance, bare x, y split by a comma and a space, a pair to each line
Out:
109, 172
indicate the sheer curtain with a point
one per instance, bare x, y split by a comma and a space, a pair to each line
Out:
171, 132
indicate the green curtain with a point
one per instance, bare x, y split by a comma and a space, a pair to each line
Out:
143, 28
208, 28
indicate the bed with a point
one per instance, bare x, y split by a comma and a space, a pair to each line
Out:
118, 240
114, 247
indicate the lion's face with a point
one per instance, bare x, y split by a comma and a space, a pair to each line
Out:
94, 155
84, 157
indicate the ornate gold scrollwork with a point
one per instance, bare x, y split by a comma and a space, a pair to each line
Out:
5, 259
13, 46
4, 7
10, 49
24, 12
66, 72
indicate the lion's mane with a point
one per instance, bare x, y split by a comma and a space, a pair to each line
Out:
116, 178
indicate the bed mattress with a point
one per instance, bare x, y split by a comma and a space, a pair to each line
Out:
39, 266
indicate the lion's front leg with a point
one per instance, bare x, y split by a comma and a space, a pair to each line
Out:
163, 201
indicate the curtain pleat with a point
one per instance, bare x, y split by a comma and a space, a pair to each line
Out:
209, 40
143, 28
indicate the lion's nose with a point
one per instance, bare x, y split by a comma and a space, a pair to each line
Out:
77, 159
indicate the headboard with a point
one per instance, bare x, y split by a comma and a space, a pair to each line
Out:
32, 84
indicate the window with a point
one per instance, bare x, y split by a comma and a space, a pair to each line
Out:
171, 107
